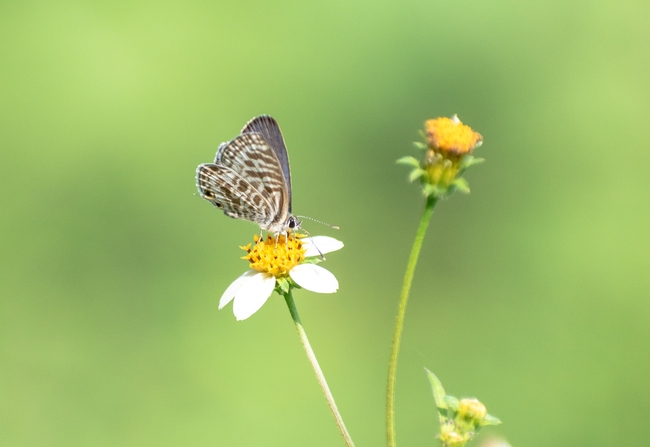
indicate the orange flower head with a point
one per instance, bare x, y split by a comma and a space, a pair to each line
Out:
449, 135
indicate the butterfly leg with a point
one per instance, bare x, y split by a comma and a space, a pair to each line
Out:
277, 237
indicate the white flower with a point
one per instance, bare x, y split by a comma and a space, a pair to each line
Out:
271, 259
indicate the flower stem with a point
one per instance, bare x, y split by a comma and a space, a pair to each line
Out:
319, 373
399, 323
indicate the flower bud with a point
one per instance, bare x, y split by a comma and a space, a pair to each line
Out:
451, 438
447, 154
448, 141
471, 410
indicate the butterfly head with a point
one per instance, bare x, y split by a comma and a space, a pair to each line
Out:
293, 223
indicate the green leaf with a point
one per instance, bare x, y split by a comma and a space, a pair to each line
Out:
490, 420
416, 173
439, 396
409, 161
461, 185
419, 145
438, 391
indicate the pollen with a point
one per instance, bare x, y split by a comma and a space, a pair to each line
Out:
275, 255
450, 135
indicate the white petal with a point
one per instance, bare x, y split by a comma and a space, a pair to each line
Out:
325, 244
314, 278
232, 289
252, 295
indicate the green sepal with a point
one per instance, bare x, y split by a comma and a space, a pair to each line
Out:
452, 402
283, 285
409, 161
433, 190
467, 161
420, 145
461, 185
416, 173
313, 260
490, 420
477, 161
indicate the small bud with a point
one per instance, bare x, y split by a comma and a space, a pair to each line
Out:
472, 410
453, 439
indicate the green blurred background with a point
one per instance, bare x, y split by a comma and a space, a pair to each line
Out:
531, 293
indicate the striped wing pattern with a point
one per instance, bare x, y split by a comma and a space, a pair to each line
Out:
268, 127
253, 158
230, 192
247, 182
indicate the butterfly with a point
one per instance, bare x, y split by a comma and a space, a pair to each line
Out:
250, 177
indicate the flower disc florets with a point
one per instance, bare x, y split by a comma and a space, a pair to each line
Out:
276, 256
450, 136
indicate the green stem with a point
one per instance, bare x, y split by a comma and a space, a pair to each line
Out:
399, 323
319, 373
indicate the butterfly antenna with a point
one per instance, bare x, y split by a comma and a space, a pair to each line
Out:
336, 227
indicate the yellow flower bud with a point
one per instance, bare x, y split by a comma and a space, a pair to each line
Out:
453, 439
471, 410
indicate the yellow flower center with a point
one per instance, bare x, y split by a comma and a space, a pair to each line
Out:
276, 256
450, 135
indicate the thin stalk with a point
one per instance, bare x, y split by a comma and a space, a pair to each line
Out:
319, 373
399, 322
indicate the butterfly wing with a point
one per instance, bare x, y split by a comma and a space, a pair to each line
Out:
270, 130
253, 159
232, 193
